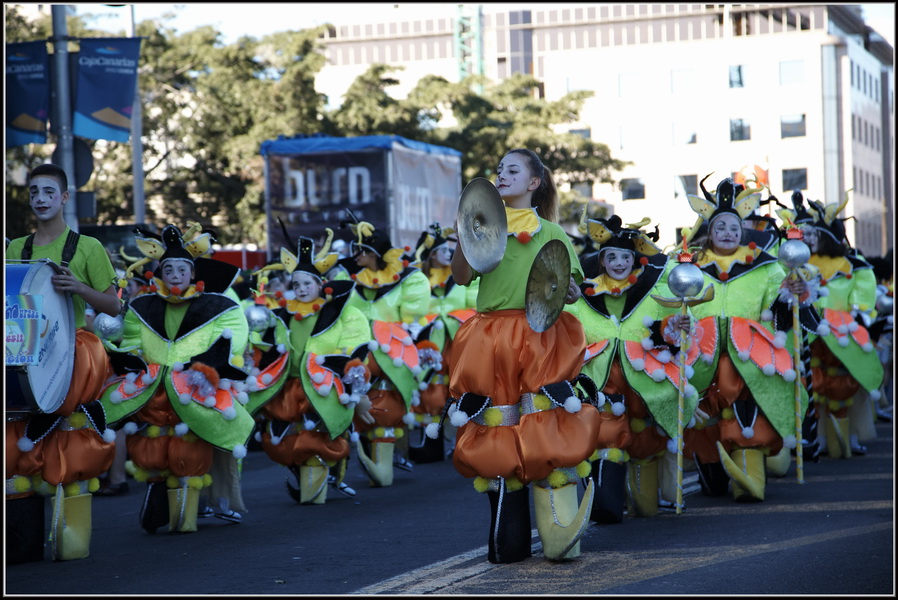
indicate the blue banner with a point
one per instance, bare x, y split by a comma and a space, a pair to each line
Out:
107, 78
27, 93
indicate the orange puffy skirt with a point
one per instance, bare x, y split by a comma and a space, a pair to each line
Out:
497, 354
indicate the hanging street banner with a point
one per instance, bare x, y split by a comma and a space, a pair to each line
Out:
27, 93
107, 80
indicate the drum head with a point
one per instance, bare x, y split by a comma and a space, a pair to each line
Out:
43, 347
547, 285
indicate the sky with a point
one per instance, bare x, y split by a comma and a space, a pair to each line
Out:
258, 19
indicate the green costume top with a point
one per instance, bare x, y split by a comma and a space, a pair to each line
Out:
505, 286
746, 286
91, 264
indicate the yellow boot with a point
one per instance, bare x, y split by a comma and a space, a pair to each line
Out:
559, 521
746, 469
837, 441
71, 526
778, 464
642, 487
183, 504
378, 468
313, 483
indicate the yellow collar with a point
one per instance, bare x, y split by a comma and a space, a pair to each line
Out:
162, 290
384, 277
295, 307
439, 275
830, 266
744, 255
603, 284
522, 221
266, 300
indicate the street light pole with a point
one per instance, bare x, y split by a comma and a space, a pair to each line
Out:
137, 141
66, 141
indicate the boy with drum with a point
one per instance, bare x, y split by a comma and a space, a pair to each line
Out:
69, 446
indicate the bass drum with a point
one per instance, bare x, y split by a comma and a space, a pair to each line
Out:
40, 338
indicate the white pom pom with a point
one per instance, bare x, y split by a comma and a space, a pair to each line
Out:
281, 348
405, 326
252, 384
748, 433
672, 445
416, 370
258, 436
658, 375
451, 410
875, 395
689, 391
319, 360
224, 384
432, 431
385, 348
789, 375
116, 397
255, 372
690, 372
647, 321
227, 333
322, 390
708, 358
744, 355
181, 429
131, 377
407, 341
24, 444
146, 379
823, 292
416, 398
618, 408
109, 436
868, 347
408, 418
437, 324
242, 398
766, 315
422, 385
853, 326
790, 442
266, 378
458, 418
318, 377
647, 344
130, 428
344, 398
397, 362
239, 451
843, 341
309, 425
209, 402
373, 345
638, 364
572, 404
177, 367
842, 329
769, 370
354, 437
779, 339
600, 397
664, 357
823, 329
184, 399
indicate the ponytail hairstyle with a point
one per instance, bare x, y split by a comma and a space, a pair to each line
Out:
544, 198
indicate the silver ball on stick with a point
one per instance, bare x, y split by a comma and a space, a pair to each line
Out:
107, 327
685, 280
257, 317
794, 253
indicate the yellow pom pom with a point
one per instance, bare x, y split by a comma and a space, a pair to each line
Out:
153, 431
492, 417
815, 362
313, 462
728, 413
123, 283
207, 480
78, 420
422, 321
400, 433
541, 402
513, 484
379, 432
263, 280
637, 425
141, 474
21, 484
237, 361
72, 489
834, 405
481, 484
93, 485
557, 478
195, 483
171, 482
616, 455
584, 469
595, 456
190, 437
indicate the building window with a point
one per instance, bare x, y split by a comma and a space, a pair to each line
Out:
737, 76
685, 185
740, 130
584, 188
853, 127
793, 126
795, 179
632, 189
584, 133
791, 71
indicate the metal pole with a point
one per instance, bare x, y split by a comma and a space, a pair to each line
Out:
137, 142
66, 142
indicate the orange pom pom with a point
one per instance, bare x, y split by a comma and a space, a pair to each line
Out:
148, 274
643, 261
404, 263
750, 259
849, 276
752, 245
279, 294
328, 291
353, 276
297, 316
200, 286
524, 237
282, 302
395, 277
375, 280
615, 290
316, 307
153, 288
590, 292
631, 278
176, 291
724, 276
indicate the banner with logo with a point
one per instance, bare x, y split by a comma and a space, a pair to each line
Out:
27, 93
107, 80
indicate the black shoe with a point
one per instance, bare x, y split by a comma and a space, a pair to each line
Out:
403, 463
154, 512
231, 515
341, 487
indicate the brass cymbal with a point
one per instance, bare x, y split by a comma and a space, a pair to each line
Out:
482, 225
547, 285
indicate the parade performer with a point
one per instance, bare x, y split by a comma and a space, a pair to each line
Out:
845, 366
450, 306
68, 448
750, 401
178, 387
519, 418
633, 356
307, 423
391, 295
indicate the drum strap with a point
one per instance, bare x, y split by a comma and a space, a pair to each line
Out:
68, 250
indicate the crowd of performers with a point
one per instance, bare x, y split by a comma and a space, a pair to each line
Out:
409, 355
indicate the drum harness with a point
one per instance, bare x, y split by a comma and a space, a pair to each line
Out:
68, 250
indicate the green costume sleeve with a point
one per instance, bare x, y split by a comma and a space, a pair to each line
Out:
415, 296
